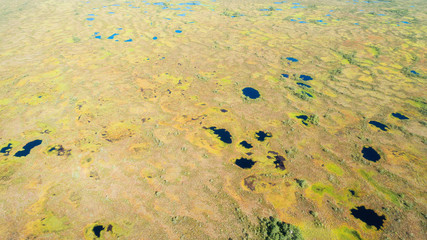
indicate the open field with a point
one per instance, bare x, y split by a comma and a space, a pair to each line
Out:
194, 120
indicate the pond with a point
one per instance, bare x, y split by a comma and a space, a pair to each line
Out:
223, 134
368, 216
261, 135
27, 148
97, 230
246, 144
303, 85
303, 118
370, 154
244, 163
305, 77
251, 93
399, 116
6, 149
379, 125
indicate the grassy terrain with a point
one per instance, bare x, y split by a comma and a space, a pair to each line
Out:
127, 149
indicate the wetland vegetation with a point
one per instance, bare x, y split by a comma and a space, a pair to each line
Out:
213, 119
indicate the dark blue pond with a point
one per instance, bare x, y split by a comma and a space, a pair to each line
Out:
285, 75
251, 93
400, 116
97, 230
244, 163
246, 144
414, 72
223, 134
303, 85
6, 149
27, 148
261, 135
379, 125
368, 216
306, 93
304, 118
305, 77
370, 154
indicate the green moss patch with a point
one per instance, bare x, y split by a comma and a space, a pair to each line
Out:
392, 196
334, 169
49, 223
346, 233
